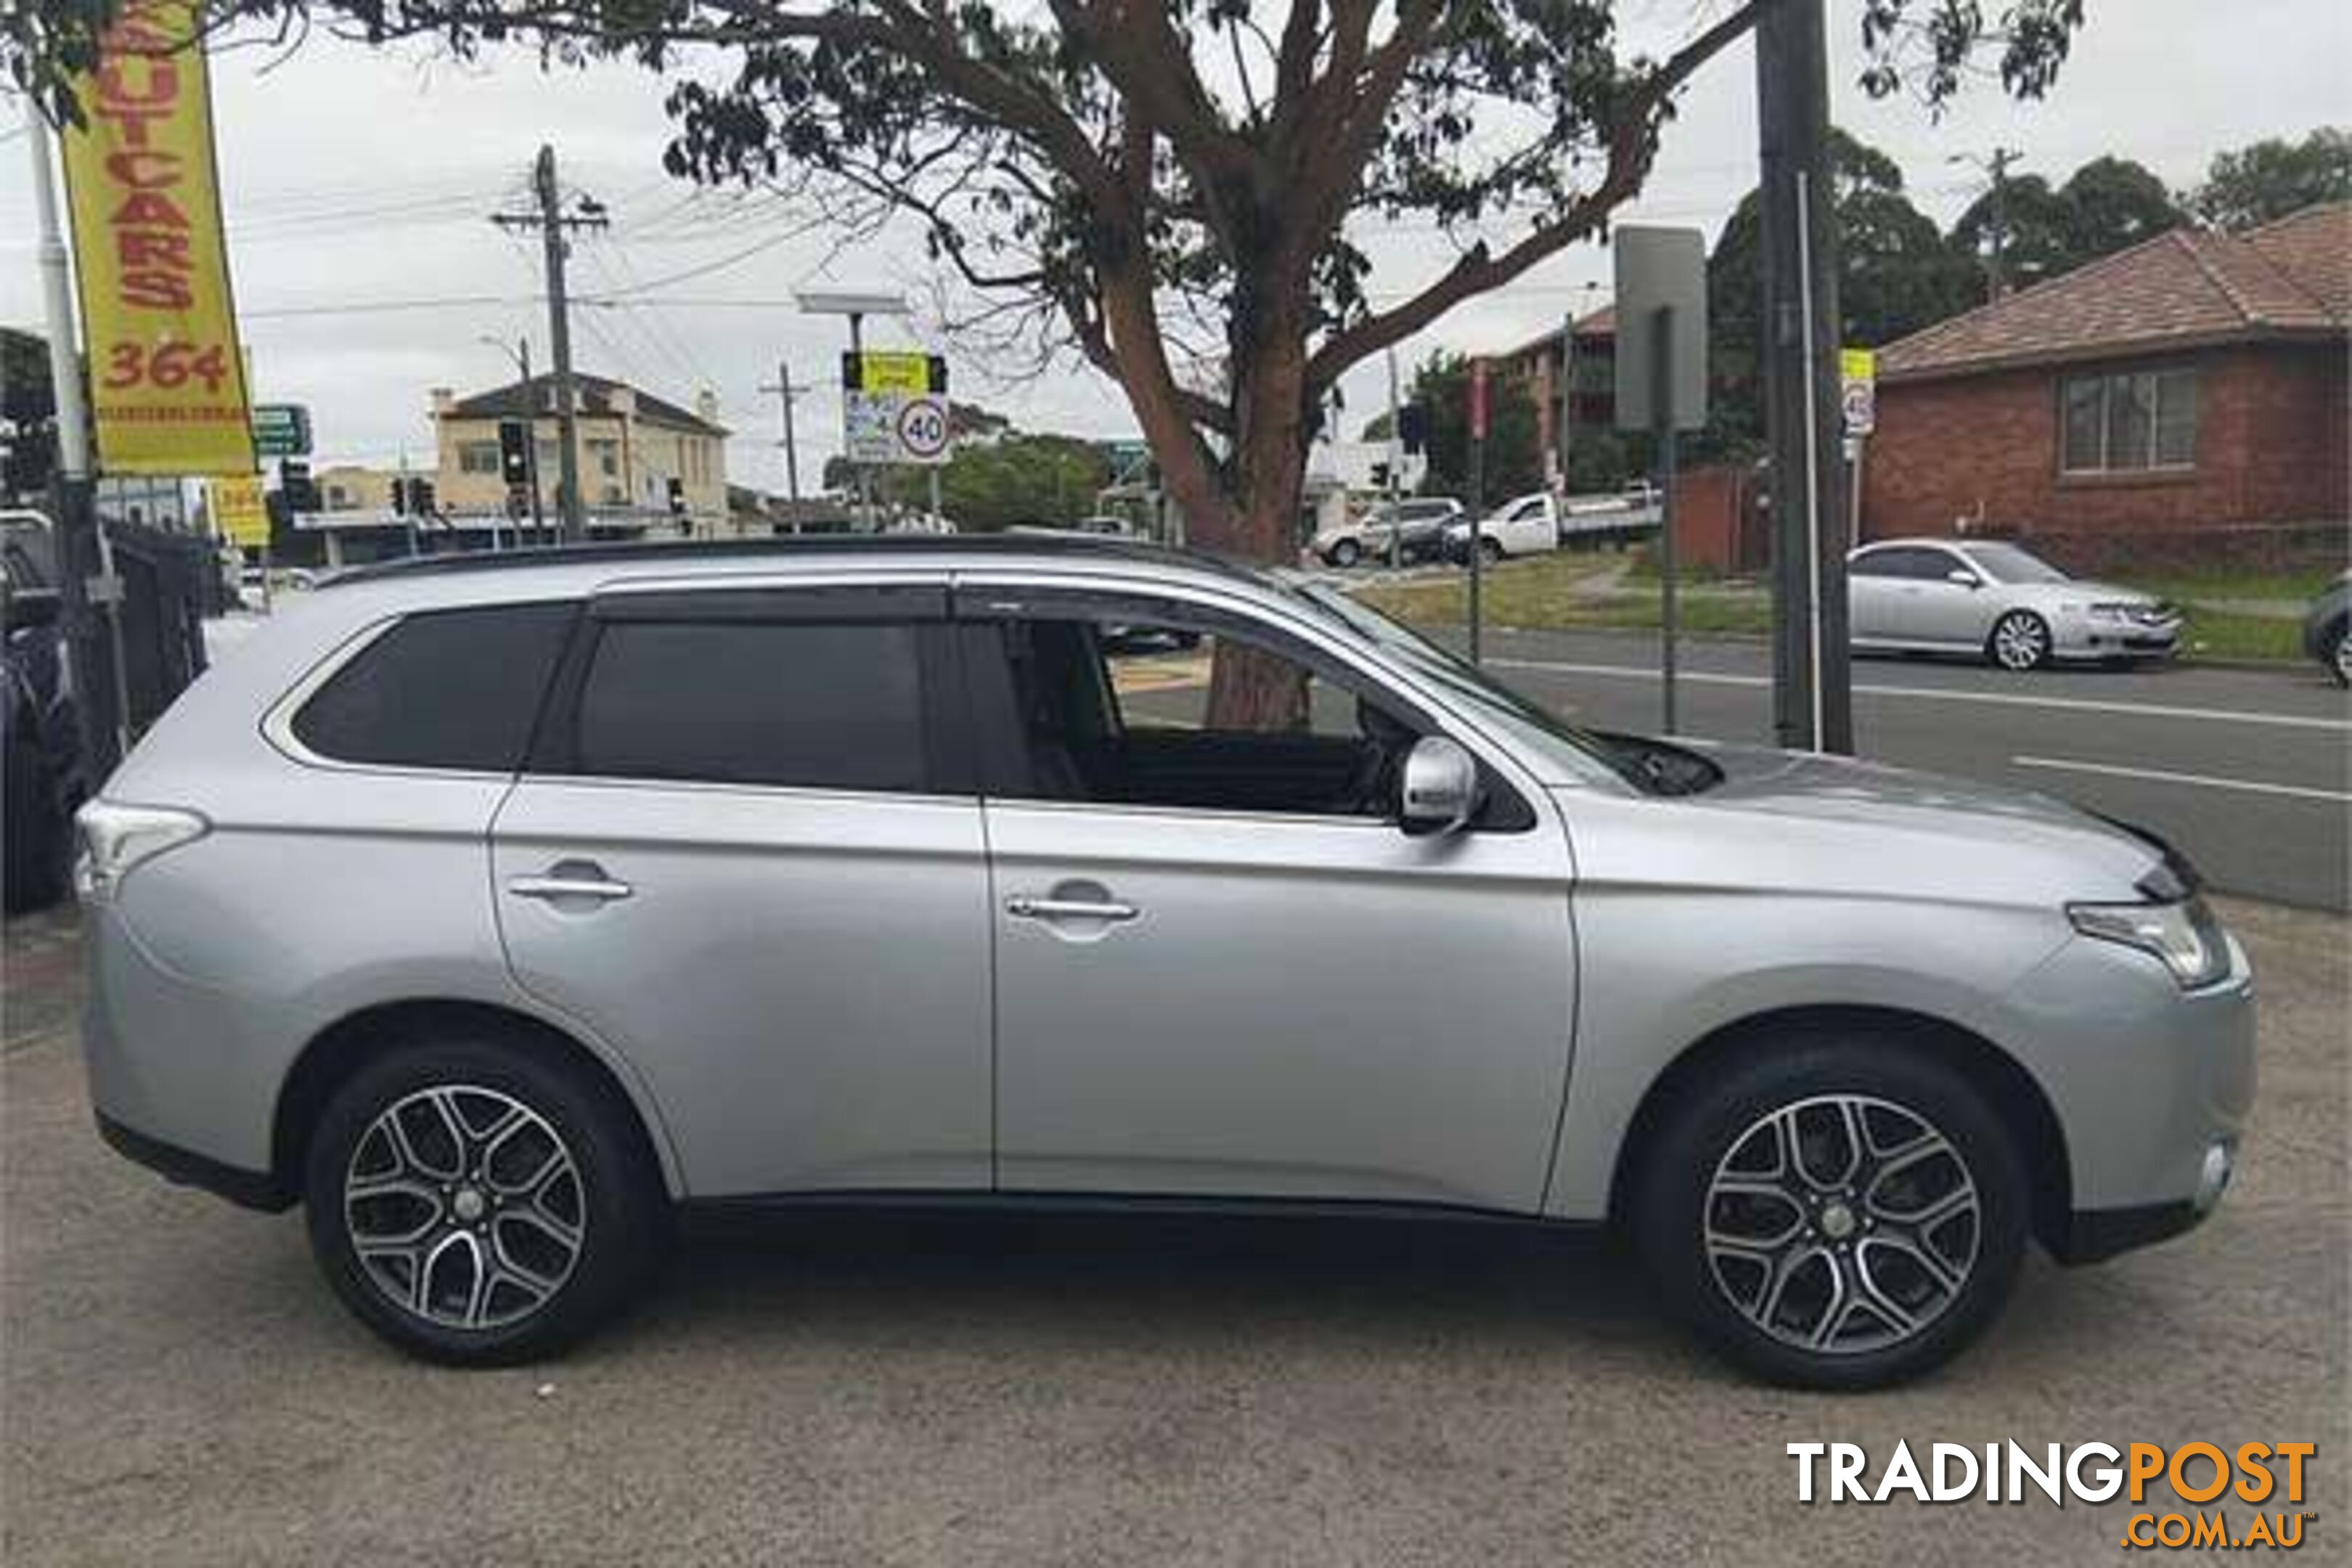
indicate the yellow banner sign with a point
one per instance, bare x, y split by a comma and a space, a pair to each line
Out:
240, 510
1857, 364
167, 376
893, 372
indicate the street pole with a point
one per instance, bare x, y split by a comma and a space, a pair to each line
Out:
1477, 499
81, 556
530, 443
1396, 461
1664, 417
1813, 690
2002, 157
785, 393
559, 330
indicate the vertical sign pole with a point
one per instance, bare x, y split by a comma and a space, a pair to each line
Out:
791, 451
1477, 497
1664, 417
1818, 677
1396, 461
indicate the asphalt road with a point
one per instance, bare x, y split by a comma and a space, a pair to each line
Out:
176, 1386
2248, 771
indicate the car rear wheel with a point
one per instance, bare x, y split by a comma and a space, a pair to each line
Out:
2340, 660
1844, 1214
2020, 641
475, 1203
1345, 553
1490, 549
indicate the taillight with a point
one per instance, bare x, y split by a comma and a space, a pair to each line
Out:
114, 837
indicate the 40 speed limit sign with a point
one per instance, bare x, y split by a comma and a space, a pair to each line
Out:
922, 429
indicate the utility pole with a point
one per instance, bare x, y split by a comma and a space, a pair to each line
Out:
82, 558
1996, 168
1812, 683
551, 222
785, 393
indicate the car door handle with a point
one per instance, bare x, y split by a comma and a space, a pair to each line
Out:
563, 883
1021, 906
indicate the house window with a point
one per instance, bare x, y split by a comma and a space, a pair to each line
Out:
2129, 422
477, 457
606, 457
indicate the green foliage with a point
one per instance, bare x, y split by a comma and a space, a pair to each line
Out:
1018, 480
29, 411
1895, 275
2265, 182
1513, 462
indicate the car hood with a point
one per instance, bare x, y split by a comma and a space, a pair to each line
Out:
2085, 591
1798, 818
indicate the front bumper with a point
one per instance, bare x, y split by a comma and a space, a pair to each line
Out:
2098, 637
2151, 1086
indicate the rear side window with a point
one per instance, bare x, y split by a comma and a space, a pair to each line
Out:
816, 705
449, 689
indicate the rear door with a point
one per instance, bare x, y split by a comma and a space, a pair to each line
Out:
1948, 614
747, 854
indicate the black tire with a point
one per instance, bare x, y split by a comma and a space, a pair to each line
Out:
2020, 642
616, 1197
2337, 641
1676, 1201
1490, 551
1345, 553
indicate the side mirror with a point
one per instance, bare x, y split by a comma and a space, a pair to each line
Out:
31, 607
1439, 792
1965, 578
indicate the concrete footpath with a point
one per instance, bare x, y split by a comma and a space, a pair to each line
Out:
177, 1386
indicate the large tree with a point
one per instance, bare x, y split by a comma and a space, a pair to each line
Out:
2263, 182
1178, 188
1895, 275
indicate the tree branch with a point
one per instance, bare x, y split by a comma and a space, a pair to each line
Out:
1632, 145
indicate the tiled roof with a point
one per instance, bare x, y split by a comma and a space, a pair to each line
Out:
595, 393
2291, 279
1600, 323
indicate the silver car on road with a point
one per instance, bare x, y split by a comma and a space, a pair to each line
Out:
499, 911
1991, 599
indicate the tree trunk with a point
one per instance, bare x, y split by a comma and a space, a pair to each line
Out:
1250, 690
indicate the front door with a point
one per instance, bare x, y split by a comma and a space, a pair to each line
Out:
1222, 969
740, 858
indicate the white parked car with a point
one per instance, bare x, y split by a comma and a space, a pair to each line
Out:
1993, 600
1526, 526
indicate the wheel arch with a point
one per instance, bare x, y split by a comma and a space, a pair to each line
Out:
352, 1042
2015, 1096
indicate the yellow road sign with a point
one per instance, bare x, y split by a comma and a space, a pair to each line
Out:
240, 510
1857, 364
894, 371
167, 379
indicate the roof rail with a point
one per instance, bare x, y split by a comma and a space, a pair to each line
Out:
1014, 541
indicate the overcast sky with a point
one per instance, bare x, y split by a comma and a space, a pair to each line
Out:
357, 181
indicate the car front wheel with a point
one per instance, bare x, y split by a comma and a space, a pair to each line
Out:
1345, 553
2340, 664
478, 1203
1841, 1214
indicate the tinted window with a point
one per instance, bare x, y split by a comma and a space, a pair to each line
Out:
1918, 565
452, 689
824, 706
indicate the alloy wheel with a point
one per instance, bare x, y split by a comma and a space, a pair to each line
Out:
2344, 657
2020, 641
1842, 1223
463, 1207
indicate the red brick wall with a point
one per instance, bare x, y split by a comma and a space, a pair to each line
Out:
2273, 441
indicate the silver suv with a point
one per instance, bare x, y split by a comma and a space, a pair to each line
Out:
497, 910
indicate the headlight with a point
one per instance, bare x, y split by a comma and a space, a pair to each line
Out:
2113, 611
2183, 934
115, 838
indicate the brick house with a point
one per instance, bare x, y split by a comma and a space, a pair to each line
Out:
2184, 399
1539, 364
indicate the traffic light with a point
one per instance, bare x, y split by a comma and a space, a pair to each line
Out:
677, 496
1412, 428
420, 495
514, 452
294, 480
1380, 476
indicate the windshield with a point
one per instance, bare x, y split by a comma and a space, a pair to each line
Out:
2007, 564
1651, 766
